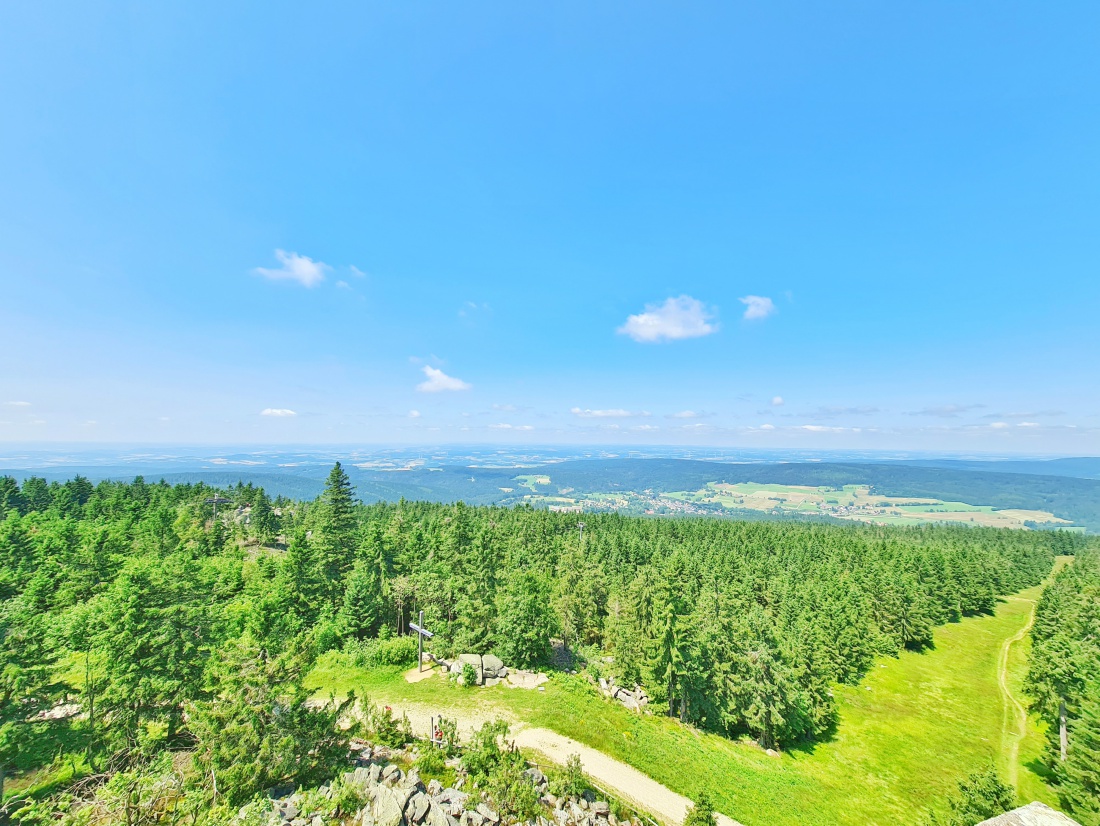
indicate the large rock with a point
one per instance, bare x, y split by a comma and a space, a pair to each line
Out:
417, 808
436, 816
491, 664
487, 813
388, 807
600, 808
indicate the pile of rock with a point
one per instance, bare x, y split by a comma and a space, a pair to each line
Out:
635, 699
490, 669
396, 798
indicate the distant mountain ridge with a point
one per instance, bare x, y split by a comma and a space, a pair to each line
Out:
1073, 497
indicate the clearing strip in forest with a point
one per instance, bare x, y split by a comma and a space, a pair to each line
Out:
1013, 733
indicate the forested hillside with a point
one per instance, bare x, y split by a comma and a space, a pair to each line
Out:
1065, 680
168, 628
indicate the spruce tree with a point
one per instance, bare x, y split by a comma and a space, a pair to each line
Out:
1080, 774
360, 614
337, 529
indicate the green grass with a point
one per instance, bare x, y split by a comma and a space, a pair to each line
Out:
907, 733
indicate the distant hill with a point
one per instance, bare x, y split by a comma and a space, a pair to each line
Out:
1073, 496
1084, 467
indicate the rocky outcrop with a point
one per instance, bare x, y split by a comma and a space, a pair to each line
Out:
635, 699
396, 798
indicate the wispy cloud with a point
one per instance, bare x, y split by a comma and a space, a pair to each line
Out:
831, 412
613, 413
644, 428
470, 308
683, 414
946, 411
1035, 414
505, 426
414, 414
777, 401
439, 382
18, 404
505, 408
675, 319
999, 425
757, 307
295, 267
278, 412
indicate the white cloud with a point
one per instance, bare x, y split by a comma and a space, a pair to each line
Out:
777, 401
767, 427
504, 426
343, 285
505, 408
757, 306
614, 413
278, 412
414, 414
295, 267
642, 428
1028, 424
677, 318
999, 425
947, 411
18, 404
358, 273
439, 382
684, 414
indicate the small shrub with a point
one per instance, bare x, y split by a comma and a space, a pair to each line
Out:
382, 652
702, 813
570, 780
431, 762
383, 728
469, 675
347, 798
512, 791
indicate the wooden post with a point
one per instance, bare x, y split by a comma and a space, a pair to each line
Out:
1063, 734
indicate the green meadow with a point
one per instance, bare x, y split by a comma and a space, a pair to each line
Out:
907, 733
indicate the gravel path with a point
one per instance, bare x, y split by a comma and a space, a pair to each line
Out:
616, 777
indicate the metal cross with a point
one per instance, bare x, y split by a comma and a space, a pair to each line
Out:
421, 633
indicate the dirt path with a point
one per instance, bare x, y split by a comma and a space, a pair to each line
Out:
621, 780
1014, 728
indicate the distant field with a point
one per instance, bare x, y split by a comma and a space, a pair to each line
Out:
907, 733
859, 503
853, 503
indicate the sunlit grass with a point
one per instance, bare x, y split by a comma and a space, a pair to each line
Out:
907, 733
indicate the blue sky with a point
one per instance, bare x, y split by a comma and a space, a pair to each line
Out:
867, 225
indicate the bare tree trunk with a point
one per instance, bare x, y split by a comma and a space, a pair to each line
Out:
1063, 734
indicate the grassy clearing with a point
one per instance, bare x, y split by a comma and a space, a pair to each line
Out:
907, 733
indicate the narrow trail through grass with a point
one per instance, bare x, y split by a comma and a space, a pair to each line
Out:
1014, 728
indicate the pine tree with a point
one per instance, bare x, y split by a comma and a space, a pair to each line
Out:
336, 544
360, 614
702, 813
1080, 774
